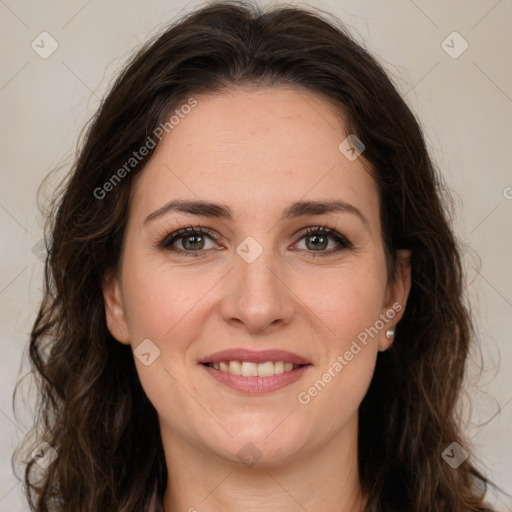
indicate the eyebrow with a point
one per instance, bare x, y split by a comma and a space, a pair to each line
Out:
223, 211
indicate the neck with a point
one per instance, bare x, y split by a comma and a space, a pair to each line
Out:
321, 478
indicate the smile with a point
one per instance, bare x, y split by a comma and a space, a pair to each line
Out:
248, 369
255, 371
248, 380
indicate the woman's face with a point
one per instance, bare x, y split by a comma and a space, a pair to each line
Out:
255, 282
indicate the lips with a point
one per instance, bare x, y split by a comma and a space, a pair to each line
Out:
250, 371
252, 356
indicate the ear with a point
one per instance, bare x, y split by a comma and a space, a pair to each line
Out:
114, 308
397, 292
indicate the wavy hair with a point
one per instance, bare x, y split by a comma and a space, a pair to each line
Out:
91, 406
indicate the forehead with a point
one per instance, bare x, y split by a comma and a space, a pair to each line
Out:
257, 150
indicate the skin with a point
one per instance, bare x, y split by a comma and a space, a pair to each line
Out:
256, 150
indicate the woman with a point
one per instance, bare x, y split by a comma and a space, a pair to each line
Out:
253, 295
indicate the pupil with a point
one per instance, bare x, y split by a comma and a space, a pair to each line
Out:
322, 244
196, 239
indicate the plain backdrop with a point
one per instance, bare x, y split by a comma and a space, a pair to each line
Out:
463, 101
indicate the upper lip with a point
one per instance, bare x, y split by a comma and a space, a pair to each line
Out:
252, 356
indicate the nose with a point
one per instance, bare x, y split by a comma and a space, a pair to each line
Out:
257, 297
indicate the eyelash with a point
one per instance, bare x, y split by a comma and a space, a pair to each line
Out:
168, 240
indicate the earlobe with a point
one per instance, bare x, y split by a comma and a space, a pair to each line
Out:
396, 298
114, 308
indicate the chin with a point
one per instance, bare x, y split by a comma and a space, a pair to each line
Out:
256, 446
260, 454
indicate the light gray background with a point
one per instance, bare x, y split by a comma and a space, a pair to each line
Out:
464, 104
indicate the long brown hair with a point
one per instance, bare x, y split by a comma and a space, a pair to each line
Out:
92, 408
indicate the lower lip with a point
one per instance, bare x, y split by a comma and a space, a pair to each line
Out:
257, 385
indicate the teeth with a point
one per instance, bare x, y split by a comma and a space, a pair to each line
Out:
235, 367
249, 369
265, 369
254, 369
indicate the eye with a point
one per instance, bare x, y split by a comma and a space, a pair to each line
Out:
317, 239
191, 239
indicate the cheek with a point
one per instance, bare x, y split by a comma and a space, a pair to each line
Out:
162, 298
336, 389
159, 298
346, 299
162, 305
350, 307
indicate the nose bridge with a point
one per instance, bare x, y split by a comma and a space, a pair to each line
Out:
258, 296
